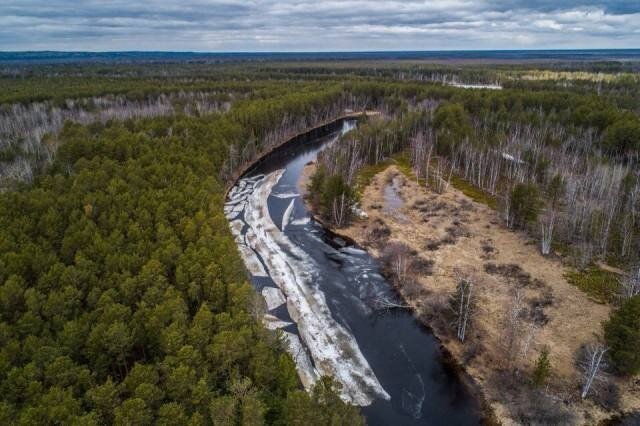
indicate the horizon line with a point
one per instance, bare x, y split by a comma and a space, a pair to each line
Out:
325, 51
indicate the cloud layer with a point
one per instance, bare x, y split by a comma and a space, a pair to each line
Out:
293, 25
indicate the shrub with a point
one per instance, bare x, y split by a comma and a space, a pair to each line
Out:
622, 333
599, 284
542, 369
623, 135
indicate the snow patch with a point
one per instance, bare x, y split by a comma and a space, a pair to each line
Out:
511, 158
233, 209
360, 214
236, 227
476, 86
353, 251
231, 215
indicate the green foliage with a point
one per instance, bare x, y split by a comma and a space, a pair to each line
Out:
326, 190
542, 369
524, 204
123, 299
622, 334
334, 187
623, 136
322, 408
473, 192
453, 124
602, 286
555, 190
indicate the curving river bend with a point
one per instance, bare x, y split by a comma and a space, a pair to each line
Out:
321, 294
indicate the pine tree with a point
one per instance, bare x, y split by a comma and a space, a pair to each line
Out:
542, 369
622, 333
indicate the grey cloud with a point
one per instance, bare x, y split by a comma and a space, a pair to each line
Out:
613, 7
210, 25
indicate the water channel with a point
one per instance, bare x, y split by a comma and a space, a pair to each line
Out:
321, 293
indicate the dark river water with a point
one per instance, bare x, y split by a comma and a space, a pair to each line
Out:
388, 355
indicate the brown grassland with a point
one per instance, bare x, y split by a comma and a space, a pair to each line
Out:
450, 232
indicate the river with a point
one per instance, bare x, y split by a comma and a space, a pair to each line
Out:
321, 294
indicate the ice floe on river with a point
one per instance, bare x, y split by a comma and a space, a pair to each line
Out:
252, 262
285, 195
274, 297
287, 215
331, 349
301, 221
273, 323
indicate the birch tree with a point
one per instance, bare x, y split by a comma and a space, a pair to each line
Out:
630, 284
546, 224
339, 209
462, 304
513, 326
592, 366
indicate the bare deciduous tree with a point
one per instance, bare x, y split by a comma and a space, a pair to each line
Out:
31, 129
514, 326
592, 366
383, 302
547, 223
630, 284
396, 259
462, 303
529, 337
339, 209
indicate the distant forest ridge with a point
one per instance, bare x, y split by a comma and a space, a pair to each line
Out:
452, 55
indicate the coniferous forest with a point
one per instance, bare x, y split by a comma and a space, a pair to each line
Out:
123, 298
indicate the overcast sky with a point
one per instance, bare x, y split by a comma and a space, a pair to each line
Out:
292, 25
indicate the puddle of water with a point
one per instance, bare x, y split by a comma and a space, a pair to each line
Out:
393, 201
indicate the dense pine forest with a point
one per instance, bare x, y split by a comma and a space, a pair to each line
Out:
124, 299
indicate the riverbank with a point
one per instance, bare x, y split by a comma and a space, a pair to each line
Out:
303, 134
452, 234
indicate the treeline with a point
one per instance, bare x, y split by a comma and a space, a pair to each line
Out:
60, 89
123, 299
613, 80
573, 111
620, 90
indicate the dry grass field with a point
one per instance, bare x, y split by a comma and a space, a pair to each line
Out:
448, 235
